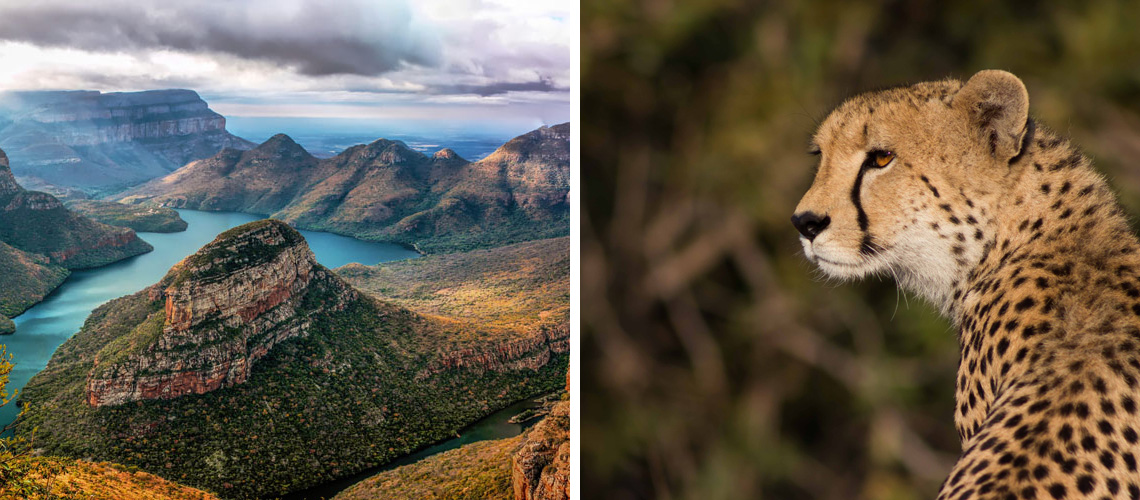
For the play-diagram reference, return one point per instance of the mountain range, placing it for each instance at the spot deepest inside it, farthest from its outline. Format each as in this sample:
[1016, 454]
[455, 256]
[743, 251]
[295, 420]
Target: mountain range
[386, 191]
[103, 142]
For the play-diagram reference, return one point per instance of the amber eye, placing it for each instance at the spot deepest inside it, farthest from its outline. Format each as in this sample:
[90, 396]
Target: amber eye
[882, 158]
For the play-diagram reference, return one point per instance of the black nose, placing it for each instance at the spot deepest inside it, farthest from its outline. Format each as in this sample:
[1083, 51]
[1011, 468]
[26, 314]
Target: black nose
[810, 224]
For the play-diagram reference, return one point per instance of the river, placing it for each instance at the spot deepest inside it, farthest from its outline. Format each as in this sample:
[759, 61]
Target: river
[41, 329]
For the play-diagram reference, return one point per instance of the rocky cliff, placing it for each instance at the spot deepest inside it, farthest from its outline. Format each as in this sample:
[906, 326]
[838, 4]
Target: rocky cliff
[532, 352]
[540, 469]
[98, 141]
[223, 309]
[388, 191]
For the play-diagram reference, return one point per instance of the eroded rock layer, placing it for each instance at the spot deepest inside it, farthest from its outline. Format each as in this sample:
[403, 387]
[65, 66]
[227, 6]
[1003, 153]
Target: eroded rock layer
[217, 313]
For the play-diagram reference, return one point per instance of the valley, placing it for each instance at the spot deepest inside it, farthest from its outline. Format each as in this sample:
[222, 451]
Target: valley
[328, 380]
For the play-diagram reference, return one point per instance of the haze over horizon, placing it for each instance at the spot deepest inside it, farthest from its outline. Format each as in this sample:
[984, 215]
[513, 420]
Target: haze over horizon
[502, 61]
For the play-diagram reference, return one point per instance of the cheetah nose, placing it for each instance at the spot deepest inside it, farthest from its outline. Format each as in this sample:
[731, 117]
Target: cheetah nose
[810, 224]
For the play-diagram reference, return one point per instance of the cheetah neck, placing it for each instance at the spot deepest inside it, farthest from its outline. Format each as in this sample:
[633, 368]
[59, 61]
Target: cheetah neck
[1061, 262]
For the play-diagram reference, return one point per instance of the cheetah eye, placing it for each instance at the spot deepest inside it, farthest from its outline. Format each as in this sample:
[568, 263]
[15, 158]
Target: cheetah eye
[879, 158]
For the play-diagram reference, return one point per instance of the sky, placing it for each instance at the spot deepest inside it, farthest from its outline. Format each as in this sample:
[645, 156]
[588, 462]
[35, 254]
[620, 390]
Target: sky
[376, 59]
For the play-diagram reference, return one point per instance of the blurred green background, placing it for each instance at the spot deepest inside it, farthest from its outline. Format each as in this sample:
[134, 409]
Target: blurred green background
[717, 363]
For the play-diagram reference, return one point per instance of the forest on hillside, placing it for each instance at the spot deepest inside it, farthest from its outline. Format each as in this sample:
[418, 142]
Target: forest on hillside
[717, 362]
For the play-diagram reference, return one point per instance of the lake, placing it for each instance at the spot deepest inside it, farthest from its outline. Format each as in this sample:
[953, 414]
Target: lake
[41, 329]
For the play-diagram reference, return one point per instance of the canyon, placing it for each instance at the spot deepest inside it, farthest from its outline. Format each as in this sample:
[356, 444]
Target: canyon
[250, 370]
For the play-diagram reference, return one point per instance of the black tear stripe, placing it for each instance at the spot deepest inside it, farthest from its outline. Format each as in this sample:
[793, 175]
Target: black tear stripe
[1030, 127]
[862, 216]
[868, 246]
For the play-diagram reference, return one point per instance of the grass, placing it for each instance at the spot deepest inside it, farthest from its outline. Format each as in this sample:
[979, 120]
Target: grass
[477, 471]
[517, 288]
[53, 478]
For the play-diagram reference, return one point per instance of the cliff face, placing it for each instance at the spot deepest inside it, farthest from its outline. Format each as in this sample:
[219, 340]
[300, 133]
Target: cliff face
[532, 353]
[388, 191]
[540, 469]
[94, 141]
[223, 308]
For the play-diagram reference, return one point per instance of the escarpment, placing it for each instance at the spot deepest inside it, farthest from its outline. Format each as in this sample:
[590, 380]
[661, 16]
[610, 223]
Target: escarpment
[94, 141]
[216, 314]
[531, 352]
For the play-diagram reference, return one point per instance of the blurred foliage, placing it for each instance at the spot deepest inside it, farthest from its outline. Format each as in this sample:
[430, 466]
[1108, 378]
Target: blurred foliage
[717, 363]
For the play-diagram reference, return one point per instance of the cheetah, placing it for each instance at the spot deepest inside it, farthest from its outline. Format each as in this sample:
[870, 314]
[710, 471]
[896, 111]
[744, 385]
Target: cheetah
[955, 191]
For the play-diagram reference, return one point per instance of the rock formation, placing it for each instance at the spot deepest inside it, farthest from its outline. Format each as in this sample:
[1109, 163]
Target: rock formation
[223, 308]
[388, 191]
[97, 141]
[541, 467]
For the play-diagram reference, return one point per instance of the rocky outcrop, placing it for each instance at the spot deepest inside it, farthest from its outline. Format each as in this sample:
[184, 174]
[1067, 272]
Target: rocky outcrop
[89, 139]
[530, 353]
[222, 309]
[540, 469]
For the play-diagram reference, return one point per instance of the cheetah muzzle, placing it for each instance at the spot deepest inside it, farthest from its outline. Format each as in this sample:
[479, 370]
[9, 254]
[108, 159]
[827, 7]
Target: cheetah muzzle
[952, 189]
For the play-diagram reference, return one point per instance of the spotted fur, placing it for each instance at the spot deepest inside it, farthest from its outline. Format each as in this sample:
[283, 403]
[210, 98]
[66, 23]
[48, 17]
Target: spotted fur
[1005, 227]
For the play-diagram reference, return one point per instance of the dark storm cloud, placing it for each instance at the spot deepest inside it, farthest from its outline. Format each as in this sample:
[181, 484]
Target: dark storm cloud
[496, 88]
[363, 38]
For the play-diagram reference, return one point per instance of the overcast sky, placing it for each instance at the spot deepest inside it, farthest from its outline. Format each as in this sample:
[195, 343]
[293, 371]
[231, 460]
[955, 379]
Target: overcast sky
[400, 59]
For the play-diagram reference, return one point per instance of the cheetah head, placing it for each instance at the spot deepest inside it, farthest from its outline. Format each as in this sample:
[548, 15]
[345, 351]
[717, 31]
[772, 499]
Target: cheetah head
[908, 179]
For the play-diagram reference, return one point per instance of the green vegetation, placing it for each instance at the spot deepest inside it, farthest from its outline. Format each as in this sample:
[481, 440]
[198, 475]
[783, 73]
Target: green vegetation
[352, 394]
[24, 476]
[477, 471]
[38, 223]
[120, 348]
[7, 326]
[519, 287]
[137, 217]
[26, 279]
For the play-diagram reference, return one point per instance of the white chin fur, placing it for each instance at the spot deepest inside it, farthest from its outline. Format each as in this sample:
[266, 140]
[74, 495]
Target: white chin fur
[838, 267]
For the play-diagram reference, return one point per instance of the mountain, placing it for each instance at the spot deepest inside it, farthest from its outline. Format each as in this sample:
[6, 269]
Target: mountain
[251, 370]
[386, 191]
[40, 240]
[102, 142]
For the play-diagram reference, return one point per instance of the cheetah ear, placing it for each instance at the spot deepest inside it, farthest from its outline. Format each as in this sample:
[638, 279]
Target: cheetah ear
[998, 107]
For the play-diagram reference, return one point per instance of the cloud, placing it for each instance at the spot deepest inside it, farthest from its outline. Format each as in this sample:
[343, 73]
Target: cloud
[310, 36]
